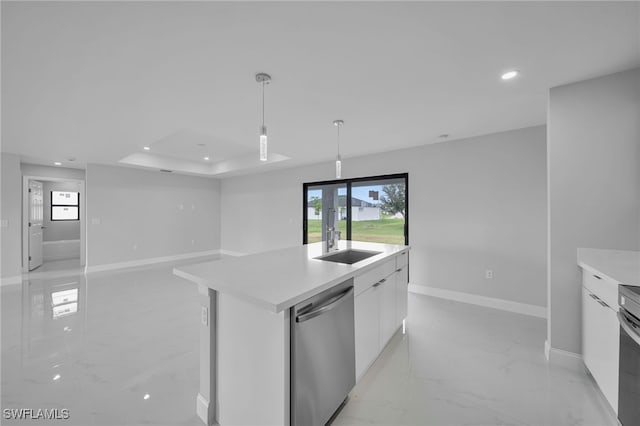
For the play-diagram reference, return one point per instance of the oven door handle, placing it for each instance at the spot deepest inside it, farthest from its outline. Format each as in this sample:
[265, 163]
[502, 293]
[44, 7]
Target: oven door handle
[625, 326]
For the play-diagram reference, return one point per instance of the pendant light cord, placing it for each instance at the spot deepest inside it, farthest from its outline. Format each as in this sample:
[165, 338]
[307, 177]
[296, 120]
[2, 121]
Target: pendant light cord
[338, 126]
[263, 104]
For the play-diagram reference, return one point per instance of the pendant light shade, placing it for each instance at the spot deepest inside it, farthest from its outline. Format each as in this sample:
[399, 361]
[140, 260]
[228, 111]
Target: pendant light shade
[263, 79]
[263, 143]
[338, 124]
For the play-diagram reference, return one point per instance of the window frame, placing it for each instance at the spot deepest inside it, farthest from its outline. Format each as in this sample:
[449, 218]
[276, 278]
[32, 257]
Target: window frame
[77, 206]
[349, 183]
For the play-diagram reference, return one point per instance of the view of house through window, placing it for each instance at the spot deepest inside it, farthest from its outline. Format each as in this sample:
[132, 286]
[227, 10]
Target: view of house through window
[363, 209]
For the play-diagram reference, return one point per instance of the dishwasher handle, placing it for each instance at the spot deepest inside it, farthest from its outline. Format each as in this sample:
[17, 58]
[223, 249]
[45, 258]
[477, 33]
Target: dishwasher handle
[325, 307]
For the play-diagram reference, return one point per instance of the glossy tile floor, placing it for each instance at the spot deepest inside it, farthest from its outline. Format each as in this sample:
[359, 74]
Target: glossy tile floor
[462, 364]
[121, 348]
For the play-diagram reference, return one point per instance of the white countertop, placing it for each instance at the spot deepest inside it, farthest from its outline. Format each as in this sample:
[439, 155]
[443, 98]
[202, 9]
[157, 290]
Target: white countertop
[276, 280]
[621, 266]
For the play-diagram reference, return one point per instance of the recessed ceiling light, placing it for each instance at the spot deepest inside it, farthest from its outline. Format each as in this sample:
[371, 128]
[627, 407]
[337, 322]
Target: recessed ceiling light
[206, 158]
[510, 74]
[56, 377]
[57, 163]
[146, 148]
[146, 396]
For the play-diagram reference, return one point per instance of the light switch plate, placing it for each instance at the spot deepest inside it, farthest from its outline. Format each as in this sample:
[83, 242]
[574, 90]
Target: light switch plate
[4, 223]
[95, 221]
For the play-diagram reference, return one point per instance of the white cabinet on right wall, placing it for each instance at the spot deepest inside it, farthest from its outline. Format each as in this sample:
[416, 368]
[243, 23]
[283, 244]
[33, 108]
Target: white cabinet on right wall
[600, 333]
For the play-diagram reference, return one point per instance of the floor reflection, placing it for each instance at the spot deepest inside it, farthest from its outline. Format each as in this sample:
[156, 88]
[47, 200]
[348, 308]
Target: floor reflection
[122, 348]
[114, 348]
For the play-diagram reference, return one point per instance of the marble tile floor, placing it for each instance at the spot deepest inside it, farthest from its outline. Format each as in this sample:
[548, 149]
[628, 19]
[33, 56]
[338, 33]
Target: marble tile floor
[121, 348]
[462, 364]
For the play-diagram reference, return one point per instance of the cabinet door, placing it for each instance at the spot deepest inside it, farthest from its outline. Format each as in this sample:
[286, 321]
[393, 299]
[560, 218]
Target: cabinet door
[600, 344]
[388, 325]
[402, 294]
[367, 329]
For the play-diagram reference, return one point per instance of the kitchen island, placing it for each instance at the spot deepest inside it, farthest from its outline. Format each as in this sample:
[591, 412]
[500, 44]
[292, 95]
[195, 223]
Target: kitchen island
[246, 321]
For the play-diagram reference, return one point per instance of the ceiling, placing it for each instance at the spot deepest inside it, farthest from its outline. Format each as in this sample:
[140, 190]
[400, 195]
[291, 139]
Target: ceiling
[98, 81]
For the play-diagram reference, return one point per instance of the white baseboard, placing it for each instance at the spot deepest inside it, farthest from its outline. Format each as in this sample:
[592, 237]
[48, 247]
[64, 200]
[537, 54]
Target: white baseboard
[232, 253]
[202, 408]
[17, 279]
[150, 261]
[489, 302]
[562, 358]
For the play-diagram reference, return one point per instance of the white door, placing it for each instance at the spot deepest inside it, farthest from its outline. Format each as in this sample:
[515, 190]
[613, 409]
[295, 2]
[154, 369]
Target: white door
[36, 211]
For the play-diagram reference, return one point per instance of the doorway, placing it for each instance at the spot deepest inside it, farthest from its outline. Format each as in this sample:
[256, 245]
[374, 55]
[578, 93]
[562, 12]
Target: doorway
[53, 224]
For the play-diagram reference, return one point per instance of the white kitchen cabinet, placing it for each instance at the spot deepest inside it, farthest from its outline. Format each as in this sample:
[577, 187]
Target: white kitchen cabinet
[387, 300]
[600, 337]
[367, 329]
[374, 275]
[380, 307]
[402, 293]
[402, 259]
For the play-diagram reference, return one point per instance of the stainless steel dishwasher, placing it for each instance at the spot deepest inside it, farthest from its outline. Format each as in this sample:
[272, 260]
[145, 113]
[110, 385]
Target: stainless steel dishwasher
[323, 366]
[629, 369]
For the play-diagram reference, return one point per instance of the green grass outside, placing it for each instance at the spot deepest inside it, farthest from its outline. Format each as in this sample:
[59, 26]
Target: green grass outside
[389, 231]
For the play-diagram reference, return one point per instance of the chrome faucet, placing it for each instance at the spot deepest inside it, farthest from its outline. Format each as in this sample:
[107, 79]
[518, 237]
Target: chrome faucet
[332, 238]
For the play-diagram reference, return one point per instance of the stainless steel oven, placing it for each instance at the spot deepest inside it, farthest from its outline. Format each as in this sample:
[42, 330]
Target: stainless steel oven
[629, 373]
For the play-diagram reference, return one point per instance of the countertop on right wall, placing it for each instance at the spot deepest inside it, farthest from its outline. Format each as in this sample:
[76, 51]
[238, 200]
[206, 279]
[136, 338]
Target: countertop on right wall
[621, 266]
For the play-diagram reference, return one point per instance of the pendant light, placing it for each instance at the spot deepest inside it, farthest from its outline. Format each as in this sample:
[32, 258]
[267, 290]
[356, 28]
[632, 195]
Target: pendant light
[338, 123]
[263, 79]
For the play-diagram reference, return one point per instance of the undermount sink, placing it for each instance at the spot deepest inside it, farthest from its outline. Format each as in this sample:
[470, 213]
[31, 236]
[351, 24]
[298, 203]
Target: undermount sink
[349, 256]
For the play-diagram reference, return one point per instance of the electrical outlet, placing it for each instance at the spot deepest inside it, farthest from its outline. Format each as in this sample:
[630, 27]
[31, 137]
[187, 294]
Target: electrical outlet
[135, 247]
[4, 223]
[193, 242]
[488, 274]
[204, 313]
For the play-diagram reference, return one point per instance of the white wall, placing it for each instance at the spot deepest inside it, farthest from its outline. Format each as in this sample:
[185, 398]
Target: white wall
[594, 186]
[59, 230]
[51, 172]
[145, 214]
[11, 213]
[474, 204]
